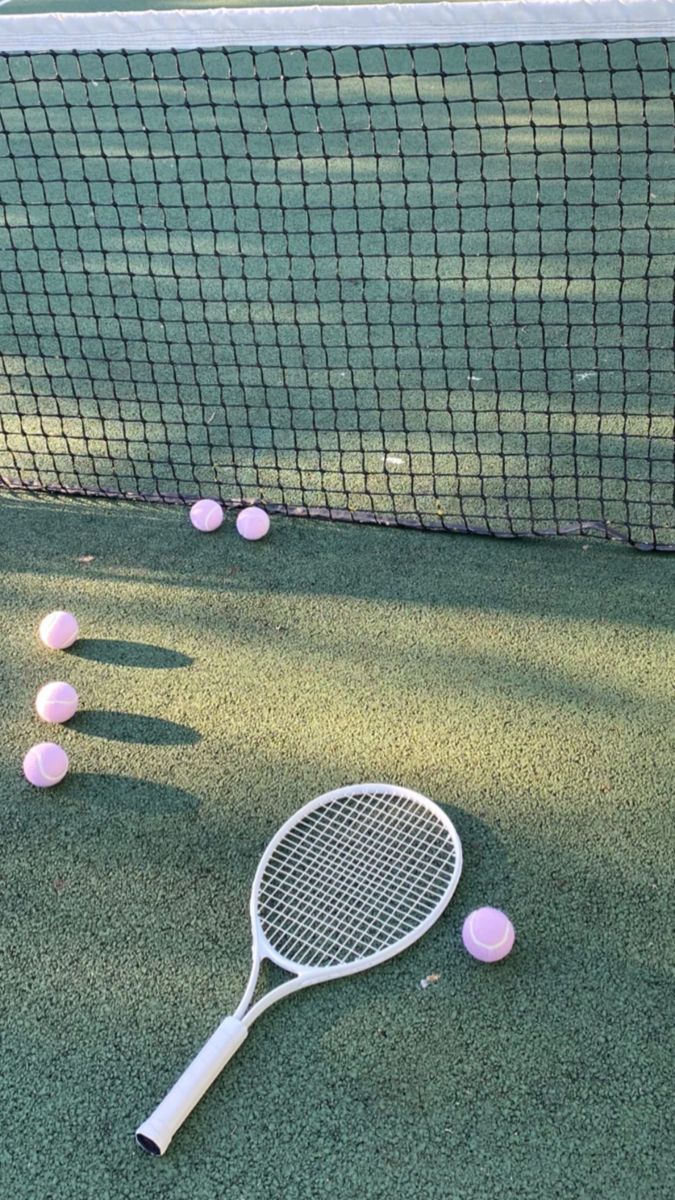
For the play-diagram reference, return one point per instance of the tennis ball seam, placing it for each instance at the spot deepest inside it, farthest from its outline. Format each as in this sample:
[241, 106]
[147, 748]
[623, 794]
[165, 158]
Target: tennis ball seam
[489, 945]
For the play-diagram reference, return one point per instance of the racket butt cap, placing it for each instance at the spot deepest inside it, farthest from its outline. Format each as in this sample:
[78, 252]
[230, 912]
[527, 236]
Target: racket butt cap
[146, 1143]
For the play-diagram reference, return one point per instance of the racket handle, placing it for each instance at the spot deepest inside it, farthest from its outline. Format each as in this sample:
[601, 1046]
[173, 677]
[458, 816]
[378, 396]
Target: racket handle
[155, 1134]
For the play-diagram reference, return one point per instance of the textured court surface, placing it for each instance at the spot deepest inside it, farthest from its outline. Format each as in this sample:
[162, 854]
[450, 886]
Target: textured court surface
[526, 686]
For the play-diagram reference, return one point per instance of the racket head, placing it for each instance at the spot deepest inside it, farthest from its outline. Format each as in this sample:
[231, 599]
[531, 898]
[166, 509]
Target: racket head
[352, 879]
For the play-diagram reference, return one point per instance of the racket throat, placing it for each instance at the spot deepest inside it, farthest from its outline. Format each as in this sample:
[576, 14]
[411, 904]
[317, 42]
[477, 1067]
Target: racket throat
[266, 983]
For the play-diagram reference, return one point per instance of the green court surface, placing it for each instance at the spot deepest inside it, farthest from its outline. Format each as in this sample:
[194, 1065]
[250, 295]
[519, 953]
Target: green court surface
[526, 686]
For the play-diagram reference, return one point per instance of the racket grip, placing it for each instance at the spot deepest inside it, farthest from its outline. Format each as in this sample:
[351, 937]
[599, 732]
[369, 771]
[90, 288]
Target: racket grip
[155, 1134]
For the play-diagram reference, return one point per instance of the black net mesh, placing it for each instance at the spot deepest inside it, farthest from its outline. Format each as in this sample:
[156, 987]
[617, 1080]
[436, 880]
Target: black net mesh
[429, 286]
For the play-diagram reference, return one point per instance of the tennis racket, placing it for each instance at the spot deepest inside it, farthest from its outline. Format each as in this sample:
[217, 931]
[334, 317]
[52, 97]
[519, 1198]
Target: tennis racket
[350, 880]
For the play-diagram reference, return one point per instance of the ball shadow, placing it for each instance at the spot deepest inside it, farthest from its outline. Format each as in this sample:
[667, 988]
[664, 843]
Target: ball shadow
[134, 727]
[123, 793]
[116, 652]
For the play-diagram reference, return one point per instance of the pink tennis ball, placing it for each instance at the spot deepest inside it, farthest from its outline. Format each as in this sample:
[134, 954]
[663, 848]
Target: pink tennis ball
[56, 702]
[58, 630]
[253, 523]
[45, 764]
[206, 515]
[488, 934]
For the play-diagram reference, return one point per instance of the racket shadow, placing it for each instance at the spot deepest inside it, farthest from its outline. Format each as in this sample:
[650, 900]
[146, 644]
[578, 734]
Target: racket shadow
[483, 847]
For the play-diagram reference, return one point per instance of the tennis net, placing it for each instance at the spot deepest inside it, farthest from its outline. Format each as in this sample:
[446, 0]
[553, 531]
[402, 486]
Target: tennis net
[427, 285]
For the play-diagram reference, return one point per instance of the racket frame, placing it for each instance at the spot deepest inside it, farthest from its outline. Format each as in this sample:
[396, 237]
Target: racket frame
[156, 1133]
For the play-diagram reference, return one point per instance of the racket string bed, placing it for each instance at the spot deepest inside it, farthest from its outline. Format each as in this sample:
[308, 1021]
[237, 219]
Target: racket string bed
[343, 883]
[309, 831]
[304, 840]
[389, 920]
[332, 874]
[333, 860]
[362, 912]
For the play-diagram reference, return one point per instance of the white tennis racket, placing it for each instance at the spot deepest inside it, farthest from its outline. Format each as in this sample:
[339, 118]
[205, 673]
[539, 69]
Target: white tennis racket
[350, 880]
